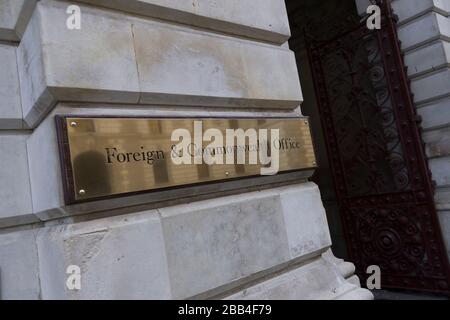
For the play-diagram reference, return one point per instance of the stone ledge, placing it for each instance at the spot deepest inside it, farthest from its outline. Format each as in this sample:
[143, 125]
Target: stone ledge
[258, 19]
[435, 115]
[14, 17]
[429, 58]
[187, 250]
[316, 280]
[116, 58]
[10, 100]
[427, 28]
[408, 10]
[431, 87]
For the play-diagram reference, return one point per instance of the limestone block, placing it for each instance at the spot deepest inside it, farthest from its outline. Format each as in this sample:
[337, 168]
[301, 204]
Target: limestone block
[211, 244]
[302, 206]
[15, 194]
[124, 59]
[96, 63]
[444, 221]
[438, 150]
[431, 86]
[442, 198]
[19, 275]
[260, 19]
[200, 249]
[119, 258]
[407, 10]
[9, 12]
[419, 20]
[437, 142]
[44, 166]
[435, 114]
[426, 28]
[14, 17]
[201, 69]
[318, 280]
[10, 104]
[440, 168]
[428, 58]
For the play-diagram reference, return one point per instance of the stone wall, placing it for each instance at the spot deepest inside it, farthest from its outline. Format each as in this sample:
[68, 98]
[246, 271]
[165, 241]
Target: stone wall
[263, 237]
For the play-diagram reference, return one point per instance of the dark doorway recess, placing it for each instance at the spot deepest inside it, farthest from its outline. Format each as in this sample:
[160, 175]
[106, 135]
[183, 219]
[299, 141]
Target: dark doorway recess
[374, 173]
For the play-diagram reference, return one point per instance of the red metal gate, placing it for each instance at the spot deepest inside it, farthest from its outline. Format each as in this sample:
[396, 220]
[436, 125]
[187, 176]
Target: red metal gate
[377, 157]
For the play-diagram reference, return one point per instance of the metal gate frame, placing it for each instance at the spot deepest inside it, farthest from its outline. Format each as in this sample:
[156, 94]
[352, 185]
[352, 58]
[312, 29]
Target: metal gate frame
[426, 267]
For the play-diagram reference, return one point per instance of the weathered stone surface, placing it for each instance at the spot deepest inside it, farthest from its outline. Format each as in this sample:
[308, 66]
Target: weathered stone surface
[211, 244]
[19, 273]
[123, 59]
[259, 19]
[301, 206]
[201, 69]
[435, 114]
[9, 12]
[346, 269]
[444, 220]
[437, 142]
[431, 86]
[426, 28]
[14, 16]
[15, 194]
[10, 103]
[93, 64]
[31, 71]
[429, 58]
[318, 280]
[119, 258]
[440, 168]
[442, 198]
[201, 249]
[407, 10]
[45, 175]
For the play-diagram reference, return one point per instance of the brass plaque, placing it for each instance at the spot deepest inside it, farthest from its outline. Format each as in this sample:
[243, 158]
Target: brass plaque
[104, 157]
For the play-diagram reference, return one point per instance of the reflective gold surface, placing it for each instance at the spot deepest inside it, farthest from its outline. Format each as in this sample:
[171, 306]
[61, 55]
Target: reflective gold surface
[112, 156]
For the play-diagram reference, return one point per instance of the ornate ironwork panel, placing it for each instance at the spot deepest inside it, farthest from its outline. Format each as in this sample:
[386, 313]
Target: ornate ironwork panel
[377, 157]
